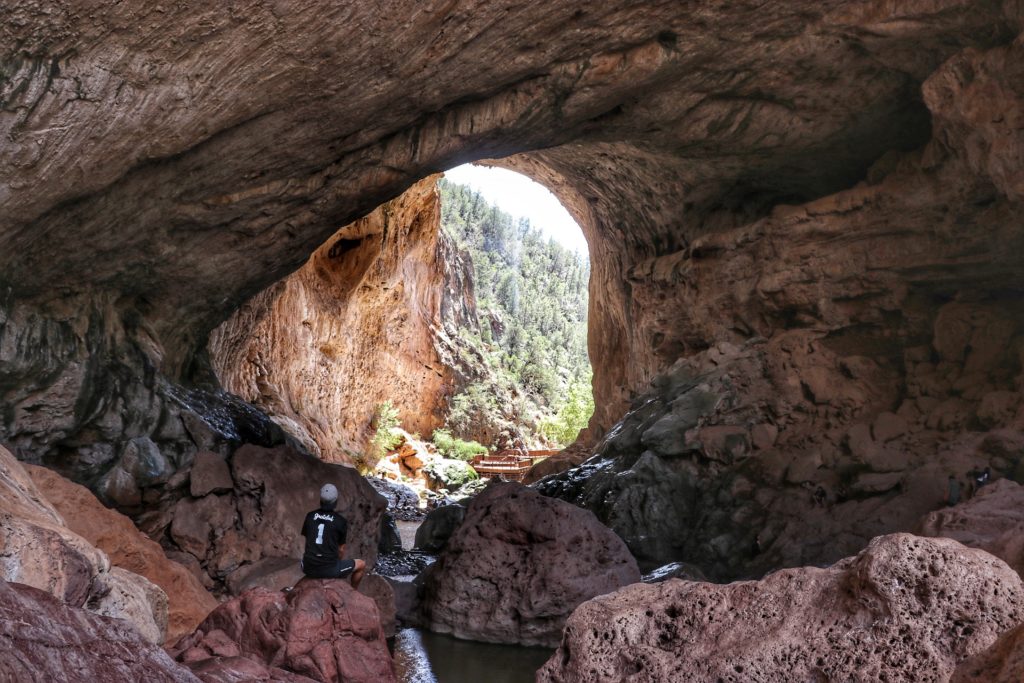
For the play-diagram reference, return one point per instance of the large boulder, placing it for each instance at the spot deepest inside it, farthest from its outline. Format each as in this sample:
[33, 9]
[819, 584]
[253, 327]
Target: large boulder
[905, 609]
[235, 537]
[188, 602]
[42, 639]
[126, 595]
[38, 549]
[518, 565]
[438, 527]
[1001, 663]
[993, 520]
[277, 487]
[321, 629]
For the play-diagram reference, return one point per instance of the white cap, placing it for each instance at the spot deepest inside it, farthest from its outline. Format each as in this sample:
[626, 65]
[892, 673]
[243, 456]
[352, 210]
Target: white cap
[328, 493]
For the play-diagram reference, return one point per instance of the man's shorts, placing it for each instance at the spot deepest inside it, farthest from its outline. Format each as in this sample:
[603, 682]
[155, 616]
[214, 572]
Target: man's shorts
[340, 570]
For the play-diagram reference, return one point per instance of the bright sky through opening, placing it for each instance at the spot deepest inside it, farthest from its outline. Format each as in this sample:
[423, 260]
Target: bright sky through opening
[518, 195]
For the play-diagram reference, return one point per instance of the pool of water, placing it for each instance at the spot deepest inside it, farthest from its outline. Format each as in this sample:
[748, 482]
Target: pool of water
[424, 657]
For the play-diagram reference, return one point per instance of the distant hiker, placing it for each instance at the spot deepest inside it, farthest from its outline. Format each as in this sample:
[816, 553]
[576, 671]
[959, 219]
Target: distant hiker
[981, 478]
[325, 531]
[820, 497]
[952, 491]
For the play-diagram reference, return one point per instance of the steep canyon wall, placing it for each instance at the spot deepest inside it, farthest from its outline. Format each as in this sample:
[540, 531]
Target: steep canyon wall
[372, 317]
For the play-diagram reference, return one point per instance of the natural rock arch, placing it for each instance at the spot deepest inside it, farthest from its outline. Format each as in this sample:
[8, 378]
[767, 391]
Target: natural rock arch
[164, 164]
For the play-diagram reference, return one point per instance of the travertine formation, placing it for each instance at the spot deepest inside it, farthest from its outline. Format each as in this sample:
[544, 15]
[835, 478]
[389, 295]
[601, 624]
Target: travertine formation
[804, 223]
[322, 630]
[904, 609]
[255, 527]
[1001, 663]
[518, 565]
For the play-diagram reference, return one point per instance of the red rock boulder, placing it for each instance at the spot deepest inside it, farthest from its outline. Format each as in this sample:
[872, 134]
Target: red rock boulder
[128, 548]
[905, 609]
[38, 549]
[322, 630]
[993, 520]
[1001, 663]
[42, 639]
[518, 565]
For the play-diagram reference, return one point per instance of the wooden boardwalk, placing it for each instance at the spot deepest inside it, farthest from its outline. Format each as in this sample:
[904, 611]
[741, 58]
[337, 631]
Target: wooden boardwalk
[511, 465]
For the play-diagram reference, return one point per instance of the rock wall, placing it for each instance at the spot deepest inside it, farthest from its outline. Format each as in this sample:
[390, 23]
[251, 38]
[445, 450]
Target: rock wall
[46, 640]
[840, 358]
[372, 316]
[188, 602]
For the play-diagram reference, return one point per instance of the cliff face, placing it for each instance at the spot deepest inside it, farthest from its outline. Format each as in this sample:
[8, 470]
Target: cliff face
[371, 317]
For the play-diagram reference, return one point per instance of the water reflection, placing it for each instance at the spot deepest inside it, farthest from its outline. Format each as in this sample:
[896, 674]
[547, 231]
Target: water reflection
[424, 657]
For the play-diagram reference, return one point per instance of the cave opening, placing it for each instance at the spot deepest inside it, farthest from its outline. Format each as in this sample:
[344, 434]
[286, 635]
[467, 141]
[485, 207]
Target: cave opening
[450, 321]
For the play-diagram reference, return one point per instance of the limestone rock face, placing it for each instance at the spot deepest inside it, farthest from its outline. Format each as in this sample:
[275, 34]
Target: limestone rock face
[372, 316]
[42, 639]
[321, 630]
[904, 609]
[187, 601]
[518, 565]
[659, 125]
[993, 520]
[37, 548]
[818, 203]
[243, 535]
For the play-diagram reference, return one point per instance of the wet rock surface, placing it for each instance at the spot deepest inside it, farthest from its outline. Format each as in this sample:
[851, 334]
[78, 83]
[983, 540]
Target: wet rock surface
[321, 630]
[518, 565]
[42, 639]
[906, 609]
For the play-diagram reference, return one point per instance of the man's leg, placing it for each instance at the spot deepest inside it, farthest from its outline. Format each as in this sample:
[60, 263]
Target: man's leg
[357, 573]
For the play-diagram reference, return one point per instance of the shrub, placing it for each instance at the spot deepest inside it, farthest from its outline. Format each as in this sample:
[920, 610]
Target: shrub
[455, 448]
[384, 438]
[574, 416]
[451, 473]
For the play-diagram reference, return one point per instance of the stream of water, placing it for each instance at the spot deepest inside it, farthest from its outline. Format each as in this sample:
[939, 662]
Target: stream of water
[424, 657]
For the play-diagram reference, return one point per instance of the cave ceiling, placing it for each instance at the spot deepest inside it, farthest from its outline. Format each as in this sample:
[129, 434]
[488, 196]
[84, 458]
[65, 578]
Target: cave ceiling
[184, 156]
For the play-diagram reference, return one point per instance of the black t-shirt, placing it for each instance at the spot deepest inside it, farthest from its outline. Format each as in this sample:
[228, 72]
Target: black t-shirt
[325, 532]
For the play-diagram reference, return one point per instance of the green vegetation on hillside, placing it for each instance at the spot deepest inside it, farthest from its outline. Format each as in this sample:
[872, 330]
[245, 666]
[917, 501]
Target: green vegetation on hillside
[532, 303]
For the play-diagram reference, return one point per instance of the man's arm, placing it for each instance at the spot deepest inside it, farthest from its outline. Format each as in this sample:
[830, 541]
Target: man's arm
[341, 527]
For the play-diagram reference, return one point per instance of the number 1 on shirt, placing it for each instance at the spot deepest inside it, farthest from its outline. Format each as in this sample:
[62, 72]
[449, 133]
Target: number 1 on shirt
[319, 534]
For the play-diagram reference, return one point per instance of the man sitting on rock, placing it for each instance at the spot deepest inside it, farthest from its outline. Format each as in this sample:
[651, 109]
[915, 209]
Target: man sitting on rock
[325, 531]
